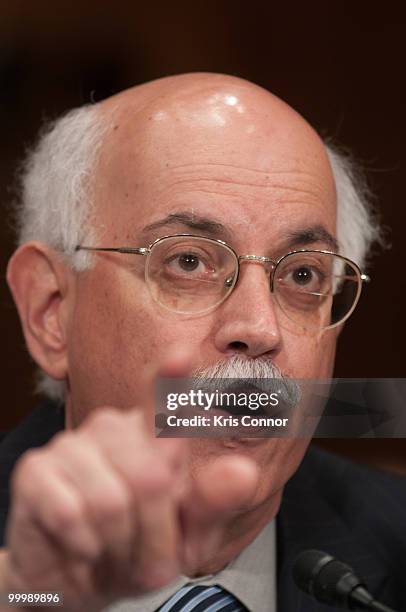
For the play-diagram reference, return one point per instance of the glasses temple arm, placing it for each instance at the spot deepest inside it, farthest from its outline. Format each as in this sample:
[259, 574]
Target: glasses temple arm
[130, 250]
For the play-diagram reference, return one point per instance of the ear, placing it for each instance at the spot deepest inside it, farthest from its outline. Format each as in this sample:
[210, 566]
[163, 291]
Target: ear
[42, 289]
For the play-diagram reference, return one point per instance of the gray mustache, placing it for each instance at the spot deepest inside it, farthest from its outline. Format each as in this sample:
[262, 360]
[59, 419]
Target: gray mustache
[241, 374]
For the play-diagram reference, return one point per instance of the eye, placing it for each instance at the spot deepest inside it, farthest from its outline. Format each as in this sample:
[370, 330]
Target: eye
[303, 277]
[188, 263]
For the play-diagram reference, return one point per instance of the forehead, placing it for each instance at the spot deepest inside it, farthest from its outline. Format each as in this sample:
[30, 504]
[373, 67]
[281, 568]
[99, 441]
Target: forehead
[242, 157]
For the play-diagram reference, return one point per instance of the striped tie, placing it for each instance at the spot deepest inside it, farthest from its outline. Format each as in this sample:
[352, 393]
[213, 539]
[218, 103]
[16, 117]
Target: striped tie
[202, 599]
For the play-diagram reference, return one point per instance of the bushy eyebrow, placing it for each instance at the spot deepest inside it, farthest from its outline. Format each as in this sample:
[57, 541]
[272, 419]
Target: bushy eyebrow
[191, 221]
[311, 235]
[301, 237]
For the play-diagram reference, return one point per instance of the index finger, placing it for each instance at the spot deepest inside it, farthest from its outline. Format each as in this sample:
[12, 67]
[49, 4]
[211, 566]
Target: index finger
[178, 362]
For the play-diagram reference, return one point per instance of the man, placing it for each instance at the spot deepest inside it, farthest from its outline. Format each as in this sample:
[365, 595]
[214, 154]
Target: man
[104, 510]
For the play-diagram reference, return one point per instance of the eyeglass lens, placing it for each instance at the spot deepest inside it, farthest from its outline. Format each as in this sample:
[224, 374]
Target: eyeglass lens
[187, 274]
[190, 275]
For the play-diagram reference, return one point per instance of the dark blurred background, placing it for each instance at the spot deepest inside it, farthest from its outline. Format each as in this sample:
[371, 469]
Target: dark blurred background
[341, 65]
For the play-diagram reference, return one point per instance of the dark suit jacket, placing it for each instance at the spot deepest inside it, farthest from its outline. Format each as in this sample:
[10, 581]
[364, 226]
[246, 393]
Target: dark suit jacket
[352, 512]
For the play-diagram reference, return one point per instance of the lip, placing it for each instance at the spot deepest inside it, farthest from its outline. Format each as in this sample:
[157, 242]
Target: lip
[288, 393]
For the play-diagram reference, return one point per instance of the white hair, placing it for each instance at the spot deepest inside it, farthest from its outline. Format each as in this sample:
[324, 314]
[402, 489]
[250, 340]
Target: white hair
[56, 179]
[358, 225]
[56, 198]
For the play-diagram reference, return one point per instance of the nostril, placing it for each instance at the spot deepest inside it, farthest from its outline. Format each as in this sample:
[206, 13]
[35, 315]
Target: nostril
[238, 345]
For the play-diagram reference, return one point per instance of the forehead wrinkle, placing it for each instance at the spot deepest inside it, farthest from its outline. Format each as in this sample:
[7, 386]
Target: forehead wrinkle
[279, 186]
[298, 181]
[239, 168]
[197, 168]
[244, 198]
[266, 173]
[228, 187]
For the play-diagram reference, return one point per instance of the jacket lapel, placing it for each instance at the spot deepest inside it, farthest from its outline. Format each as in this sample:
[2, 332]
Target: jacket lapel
[316, 512]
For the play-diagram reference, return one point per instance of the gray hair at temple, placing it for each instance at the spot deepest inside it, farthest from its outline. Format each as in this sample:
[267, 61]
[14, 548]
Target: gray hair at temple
[55, 197]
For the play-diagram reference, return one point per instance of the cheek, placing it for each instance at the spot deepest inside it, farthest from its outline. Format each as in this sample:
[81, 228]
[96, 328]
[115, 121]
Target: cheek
[308, 357]
[116, 332]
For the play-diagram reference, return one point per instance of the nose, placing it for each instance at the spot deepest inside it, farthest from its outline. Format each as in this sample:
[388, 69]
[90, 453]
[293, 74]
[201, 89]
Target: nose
[247, 323]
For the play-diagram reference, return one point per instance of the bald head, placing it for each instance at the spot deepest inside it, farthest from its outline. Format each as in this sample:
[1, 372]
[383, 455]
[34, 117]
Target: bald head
[210, 107]
[208, 120]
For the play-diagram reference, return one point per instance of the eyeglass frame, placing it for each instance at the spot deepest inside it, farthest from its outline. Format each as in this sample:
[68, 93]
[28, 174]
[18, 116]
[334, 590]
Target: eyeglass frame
[146, 251]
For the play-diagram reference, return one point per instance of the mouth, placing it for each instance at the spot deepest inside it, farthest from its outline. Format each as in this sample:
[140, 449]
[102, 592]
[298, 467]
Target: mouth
[235, 408]
[240, 397]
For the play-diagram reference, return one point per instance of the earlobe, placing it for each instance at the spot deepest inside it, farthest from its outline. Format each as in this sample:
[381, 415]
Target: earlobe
[38, 281]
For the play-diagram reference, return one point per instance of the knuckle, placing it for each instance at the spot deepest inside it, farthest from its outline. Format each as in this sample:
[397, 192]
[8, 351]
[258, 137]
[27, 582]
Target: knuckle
[112, 505]
[31, 464]
[62, 440]
[65, 517]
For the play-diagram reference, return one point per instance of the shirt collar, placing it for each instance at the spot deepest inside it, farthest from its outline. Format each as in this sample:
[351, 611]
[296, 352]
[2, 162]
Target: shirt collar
[251, 577]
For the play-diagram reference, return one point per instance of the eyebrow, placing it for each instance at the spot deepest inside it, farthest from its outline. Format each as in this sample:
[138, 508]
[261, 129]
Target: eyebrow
[192, 221]
[310, 235]
[301, 237]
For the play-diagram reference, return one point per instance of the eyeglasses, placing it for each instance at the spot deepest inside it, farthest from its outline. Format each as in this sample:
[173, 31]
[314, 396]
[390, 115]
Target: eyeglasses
[192, 275]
